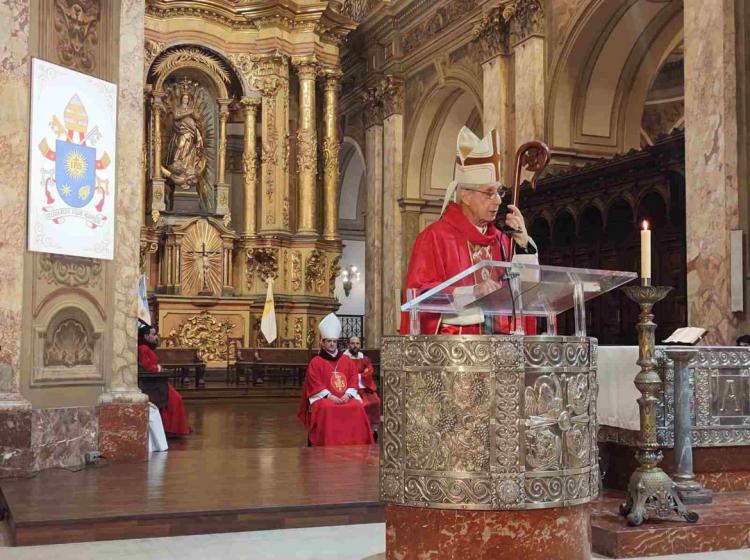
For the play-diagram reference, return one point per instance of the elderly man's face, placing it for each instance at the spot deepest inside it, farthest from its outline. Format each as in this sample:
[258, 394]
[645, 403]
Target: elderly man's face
[329, 345]
[355, 345]
[480, 203]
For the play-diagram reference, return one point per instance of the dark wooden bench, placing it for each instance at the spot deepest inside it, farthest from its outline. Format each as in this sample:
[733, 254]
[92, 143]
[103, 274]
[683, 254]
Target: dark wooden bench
[374, 356]
[281, 365]
[154, 385]
[182, 362]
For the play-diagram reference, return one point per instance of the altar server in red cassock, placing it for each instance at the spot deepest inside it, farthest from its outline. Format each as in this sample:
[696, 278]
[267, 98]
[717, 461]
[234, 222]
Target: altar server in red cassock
[464, 235]
[173, 416]
[331, 408]
[366, 382]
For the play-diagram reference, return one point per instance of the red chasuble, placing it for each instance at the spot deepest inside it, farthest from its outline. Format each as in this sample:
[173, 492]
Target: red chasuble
[329, 423]
[367, 388]
[173, 416]
[449, 246]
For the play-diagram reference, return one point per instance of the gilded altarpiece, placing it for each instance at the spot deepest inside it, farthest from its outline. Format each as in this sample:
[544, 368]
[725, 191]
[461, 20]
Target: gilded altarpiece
[242, 119]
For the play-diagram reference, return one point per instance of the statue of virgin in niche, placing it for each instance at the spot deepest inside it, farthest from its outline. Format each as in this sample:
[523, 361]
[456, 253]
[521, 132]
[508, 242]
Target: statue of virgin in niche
[187, 155]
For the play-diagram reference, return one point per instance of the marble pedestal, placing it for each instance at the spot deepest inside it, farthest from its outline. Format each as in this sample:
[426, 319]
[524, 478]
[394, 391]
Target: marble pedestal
[439, 534]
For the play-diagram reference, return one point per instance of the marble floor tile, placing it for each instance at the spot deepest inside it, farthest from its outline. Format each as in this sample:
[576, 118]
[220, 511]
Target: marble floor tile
[352, 542]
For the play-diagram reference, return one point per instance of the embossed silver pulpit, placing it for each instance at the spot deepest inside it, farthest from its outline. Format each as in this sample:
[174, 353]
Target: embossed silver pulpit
[477, 425]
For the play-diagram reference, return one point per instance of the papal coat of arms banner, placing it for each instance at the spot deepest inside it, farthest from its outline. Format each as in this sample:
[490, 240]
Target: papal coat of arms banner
[72, 163]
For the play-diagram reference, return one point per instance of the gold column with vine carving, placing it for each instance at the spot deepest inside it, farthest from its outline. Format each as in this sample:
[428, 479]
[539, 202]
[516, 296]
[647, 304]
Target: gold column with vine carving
[158, 202]
[222, 191]
[307, 166]
[331, 154]
[250, 164]
[274, 86]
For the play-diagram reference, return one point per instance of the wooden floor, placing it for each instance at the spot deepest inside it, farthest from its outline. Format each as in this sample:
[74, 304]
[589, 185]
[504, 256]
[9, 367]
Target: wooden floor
[243, 468]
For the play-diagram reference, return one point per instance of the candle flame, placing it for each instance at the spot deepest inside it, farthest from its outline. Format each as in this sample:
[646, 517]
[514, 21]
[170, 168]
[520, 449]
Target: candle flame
[645, 224]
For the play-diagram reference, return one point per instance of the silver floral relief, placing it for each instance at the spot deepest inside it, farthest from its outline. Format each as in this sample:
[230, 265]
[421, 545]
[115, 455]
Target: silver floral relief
[498, 422]
[447, 421]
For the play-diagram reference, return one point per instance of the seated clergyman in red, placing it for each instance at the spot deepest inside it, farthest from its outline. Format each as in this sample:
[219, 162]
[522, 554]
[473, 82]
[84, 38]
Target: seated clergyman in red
[366, 383]
[331, 408]
[173, 416]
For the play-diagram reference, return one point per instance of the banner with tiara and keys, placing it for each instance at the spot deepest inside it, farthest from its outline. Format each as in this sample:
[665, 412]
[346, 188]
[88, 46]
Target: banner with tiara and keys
[72, 163]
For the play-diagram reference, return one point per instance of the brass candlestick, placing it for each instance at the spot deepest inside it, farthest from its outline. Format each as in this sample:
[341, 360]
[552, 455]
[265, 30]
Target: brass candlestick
[650, 488]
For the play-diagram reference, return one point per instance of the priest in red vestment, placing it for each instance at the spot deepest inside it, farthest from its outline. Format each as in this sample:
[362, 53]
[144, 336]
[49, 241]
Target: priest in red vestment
[366, 387]
[464, 235]
[331, 408]
[173, 416]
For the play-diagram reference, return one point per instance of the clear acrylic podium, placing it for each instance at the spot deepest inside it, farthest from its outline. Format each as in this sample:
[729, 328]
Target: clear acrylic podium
[521, 290]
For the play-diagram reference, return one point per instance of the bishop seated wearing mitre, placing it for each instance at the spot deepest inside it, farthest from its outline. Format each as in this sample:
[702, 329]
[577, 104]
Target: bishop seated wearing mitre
[331, 408]
[466, 234]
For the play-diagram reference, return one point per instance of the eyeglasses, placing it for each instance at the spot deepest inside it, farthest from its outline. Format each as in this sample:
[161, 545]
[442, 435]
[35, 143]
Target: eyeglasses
[494, 193]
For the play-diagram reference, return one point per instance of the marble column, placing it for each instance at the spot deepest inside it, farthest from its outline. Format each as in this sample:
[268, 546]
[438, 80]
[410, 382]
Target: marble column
[393, 156]
[332, 83]
[14, 101]
[496, 104]
[711, 164]
[274, 206]
[123, 380]
[490, 35]
[373, 219]
[250, 165]
[528, 90]
[123, 414]
[15, 410]
[307, 147]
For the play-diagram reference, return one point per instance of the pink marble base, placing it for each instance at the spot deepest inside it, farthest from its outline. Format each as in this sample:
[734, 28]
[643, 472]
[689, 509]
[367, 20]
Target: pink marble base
[443, 534]
[61, 437]
[16, 457]
[123, 432]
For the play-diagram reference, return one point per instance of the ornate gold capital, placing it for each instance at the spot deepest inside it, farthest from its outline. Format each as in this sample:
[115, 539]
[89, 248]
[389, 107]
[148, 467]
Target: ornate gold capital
[307, 67]
[250, 105]
[491, 35]
[332, 78]
[525, 17]
[372, 101]
[393, 96]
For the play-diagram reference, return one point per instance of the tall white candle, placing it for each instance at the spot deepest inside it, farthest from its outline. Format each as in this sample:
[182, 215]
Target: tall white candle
[645, 251]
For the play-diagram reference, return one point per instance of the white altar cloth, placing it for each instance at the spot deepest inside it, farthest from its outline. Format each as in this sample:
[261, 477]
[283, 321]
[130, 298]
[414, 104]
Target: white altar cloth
[616, 405]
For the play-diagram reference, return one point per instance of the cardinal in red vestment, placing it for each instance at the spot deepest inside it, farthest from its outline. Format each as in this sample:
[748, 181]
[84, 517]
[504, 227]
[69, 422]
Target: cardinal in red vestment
[366, 387]
[331, 408]
[465, 235]
[173, 416]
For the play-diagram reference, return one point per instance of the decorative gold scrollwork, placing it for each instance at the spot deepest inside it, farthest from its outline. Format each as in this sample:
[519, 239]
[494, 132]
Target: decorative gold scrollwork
[208, 335]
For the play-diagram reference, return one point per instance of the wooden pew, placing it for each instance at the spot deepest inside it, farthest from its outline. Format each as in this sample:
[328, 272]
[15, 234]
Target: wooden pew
[154, 385]
[182, 362]
[261, 365]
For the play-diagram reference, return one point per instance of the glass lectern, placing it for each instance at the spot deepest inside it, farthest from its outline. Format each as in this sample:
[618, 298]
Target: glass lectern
[516, 290]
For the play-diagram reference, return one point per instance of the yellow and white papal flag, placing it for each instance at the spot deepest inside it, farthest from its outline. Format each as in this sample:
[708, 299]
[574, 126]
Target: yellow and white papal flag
[268, 320]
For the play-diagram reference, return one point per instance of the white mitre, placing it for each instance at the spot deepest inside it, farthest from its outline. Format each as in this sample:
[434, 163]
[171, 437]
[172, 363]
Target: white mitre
[478, 162]
[330, 327]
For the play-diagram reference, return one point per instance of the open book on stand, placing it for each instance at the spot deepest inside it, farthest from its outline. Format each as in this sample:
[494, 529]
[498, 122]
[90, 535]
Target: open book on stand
[686, 335]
